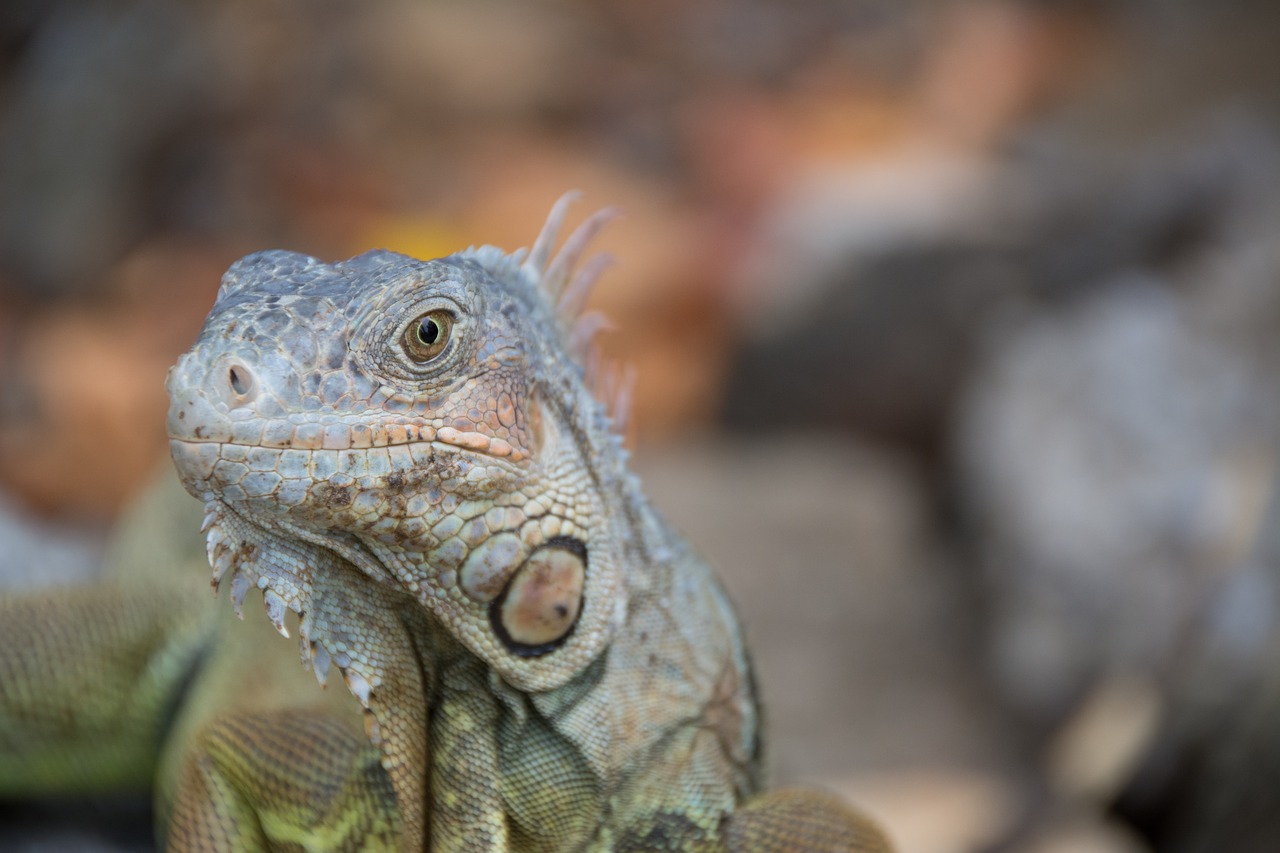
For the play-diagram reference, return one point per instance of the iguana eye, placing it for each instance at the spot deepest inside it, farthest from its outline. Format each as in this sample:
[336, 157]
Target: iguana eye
[540, 605]
[427, 336]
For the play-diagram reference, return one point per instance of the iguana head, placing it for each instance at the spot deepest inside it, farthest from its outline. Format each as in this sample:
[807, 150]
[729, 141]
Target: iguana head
[423, 421]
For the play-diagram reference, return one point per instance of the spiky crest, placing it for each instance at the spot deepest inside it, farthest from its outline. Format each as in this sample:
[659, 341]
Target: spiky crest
[564, 282]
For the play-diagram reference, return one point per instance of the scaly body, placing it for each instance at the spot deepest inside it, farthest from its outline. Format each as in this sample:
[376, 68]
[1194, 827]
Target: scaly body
[406, 455]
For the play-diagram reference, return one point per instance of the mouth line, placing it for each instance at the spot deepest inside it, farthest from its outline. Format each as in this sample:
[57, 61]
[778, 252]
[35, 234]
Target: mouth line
[472, 443]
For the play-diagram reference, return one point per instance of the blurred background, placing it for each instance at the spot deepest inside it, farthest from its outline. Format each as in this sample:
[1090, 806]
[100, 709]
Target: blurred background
[956, 328]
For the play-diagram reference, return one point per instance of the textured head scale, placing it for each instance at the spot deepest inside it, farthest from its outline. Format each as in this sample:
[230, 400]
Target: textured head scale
[427, 422]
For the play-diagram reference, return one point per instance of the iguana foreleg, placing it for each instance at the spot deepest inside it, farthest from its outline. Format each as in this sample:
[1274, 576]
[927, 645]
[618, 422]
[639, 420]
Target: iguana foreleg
[801, 820]
[294, 780]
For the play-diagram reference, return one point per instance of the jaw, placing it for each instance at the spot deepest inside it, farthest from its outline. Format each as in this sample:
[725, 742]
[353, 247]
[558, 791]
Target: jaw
[449, 525]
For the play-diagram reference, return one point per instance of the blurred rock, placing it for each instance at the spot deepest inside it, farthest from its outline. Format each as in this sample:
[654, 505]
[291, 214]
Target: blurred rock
[935, 809]
[1115, 499]
[1085, 835]
[1209, 784]
[896, 273]
[1136, 464]
[868, 287]
[1094, 755]
[1113, 460]
[1117, 460]
[1208, 781]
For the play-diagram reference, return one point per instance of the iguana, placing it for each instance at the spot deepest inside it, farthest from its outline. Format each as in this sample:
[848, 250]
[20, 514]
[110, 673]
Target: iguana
[407, 459]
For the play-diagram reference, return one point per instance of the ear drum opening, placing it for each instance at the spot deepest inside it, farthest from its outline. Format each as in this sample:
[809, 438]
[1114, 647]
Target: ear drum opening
[540, 606]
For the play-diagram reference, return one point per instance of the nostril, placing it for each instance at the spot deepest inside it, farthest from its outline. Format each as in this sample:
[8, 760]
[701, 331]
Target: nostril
[241, 383]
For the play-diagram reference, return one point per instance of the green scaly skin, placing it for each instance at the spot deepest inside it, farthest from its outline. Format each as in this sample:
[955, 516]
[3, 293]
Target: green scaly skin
[407, 457]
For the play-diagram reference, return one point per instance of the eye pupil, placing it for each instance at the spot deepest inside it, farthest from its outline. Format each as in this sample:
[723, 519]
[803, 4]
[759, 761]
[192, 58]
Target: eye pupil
[426, 337]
